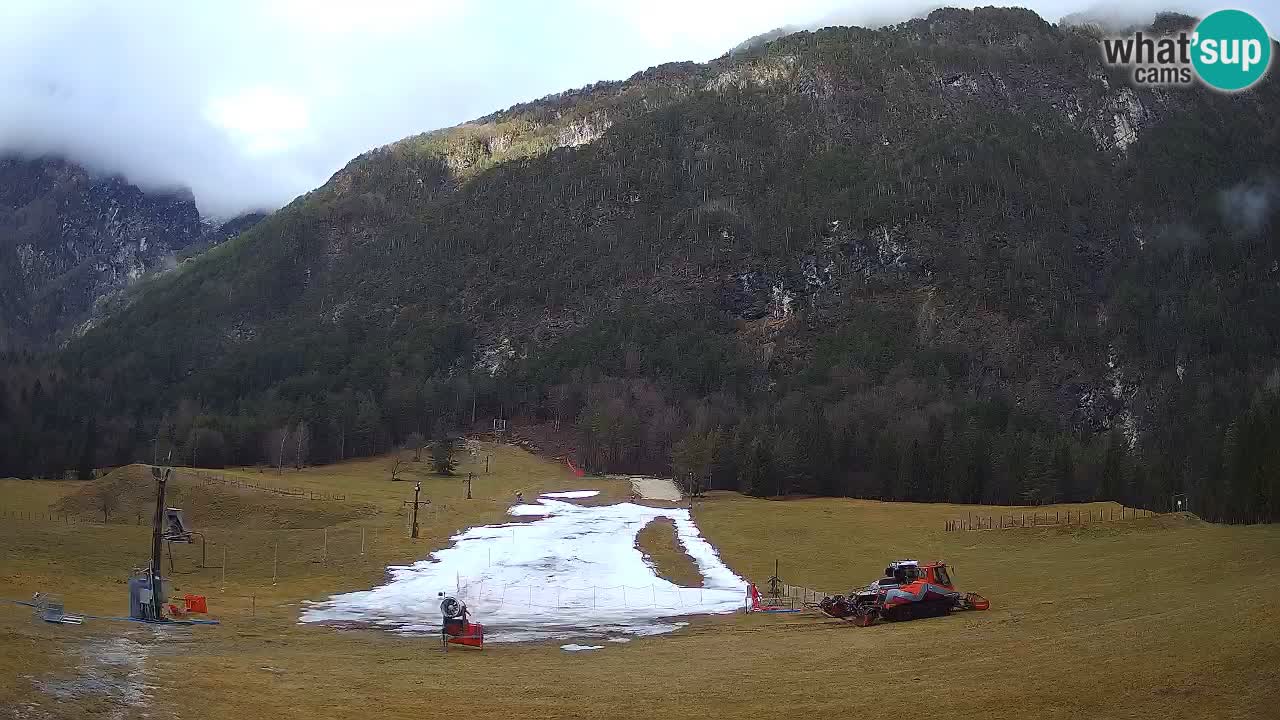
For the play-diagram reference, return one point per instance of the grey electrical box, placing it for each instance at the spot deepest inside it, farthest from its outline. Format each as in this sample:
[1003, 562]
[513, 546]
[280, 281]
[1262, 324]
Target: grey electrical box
[140, 597]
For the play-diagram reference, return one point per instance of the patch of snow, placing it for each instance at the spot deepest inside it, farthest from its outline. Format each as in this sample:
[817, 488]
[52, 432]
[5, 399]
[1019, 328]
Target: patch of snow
[574, 647]
[575, 573]
[619, 640]
[528, 510]
[571, 494]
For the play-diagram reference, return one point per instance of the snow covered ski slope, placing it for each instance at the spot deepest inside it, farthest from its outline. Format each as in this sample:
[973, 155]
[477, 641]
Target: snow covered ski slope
[575, 572]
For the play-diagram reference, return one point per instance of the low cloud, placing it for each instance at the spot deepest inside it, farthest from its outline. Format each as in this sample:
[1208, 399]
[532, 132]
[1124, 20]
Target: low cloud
[250, 103]
[1248, 206]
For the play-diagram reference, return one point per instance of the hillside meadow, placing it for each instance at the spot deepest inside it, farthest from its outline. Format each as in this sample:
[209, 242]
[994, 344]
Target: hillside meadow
[1160, 617]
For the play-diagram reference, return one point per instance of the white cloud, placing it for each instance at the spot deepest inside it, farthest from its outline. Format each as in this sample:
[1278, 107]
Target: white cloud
[252, 102]
[261, 120]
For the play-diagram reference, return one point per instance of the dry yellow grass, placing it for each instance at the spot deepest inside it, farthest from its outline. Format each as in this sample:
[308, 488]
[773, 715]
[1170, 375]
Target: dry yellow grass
[34, 495]
[1155, 618]
[662, 549]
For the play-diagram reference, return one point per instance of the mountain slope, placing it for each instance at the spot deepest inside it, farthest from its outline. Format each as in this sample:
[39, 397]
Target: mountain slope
[953, 259]
[70, 240]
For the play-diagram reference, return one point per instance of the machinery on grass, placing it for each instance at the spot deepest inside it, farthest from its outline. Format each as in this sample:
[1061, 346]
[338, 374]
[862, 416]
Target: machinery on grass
[455, 628]
[909, 590]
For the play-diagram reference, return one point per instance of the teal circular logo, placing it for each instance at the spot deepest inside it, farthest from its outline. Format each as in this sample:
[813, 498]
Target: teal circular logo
[1231, 50]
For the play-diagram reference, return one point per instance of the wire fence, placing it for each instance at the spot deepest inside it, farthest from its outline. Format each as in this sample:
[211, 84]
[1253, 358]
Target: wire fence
[43, 516]
[792, 596]
[1057, 518]
[232, 481]
[491, 595]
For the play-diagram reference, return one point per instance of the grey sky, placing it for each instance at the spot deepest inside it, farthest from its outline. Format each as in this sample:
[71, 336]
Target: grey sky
[252, 102]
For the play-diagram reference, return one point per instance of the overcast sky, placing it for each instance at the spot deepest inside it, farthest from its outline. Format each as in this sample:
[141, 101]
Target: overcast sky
[253, 102]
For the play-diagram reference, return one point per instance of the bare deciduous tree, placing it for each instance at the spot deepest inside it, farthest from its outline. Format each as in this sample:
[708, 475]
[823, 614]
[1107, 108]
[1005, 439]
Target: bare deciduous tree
[106, 500]
[302, 445]
[415, 442]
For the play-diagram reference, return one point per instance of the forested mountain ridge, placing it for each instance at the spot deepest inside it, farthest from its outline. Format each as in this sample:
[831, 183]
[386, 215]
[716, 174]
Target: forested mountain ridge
[952, 259]
[71, 240]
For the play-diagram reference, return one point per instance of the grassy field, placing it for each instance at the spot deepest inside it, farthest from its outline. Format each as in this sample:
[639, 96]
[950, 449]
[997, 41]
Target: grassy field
[663, 549]
[1161, 617]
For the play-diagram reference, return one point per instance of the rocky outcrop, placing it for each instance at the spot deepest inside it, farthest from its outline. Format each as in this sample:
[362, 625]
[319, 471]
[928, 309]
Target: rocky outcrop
[69, 239]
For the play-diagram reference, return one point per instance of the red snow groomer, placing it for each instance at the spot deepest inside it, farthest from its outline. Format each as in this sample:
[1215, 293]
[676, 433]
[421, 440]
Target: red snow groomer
[908, 591]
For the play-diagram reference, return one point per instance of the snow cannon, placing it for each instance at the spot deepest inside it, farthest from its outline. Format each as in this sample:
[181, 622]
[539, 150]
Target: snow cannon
[456, 629]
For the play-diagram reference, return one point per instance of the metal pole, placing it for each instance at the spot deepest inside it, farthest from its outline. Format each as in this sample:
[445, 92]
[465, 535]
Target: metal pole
[417, 487]
[324, 551]
[157, 589]
[224, 568]
[275, 563]
[361, 541]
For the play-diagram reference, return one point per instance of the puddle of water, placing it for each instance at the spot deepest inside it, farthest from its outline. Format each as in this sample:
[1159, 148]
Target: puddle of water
[112, 669]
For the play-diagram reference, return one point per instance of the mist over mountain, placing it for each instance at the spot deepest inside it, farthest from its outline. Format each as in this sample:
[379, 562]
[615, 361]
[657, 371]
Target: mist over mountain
[250, 104]
[71, 241]
[951, 259]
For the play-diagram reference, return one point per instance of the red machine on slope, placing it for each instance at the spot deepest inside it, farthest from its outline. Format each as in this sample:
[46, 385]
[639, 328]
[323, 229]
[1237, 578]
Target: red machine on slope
[908, 591]
[457, 628]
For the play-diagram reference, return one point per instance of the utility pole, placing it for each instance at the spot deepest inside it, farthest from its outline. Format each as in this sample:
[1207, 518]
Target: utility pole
[157, 523]
[417, 488]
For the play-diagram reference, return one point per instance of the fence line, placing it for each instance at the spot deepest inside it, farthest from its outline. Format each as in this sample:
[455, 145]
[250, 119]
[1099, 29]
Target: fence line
[793, 596]
[45, 516]
[615, 597]
[1059, 518]
[210, 478]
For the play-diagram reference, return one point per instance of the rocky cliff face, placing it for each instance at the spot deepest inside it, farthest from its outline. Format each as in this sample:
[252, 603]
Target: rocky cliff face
[70, 239]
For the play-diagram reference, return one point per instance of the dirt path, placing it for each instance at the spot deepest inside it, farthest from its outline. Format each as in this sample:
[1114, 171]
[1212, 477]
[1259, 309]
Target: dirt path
[651, 488]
